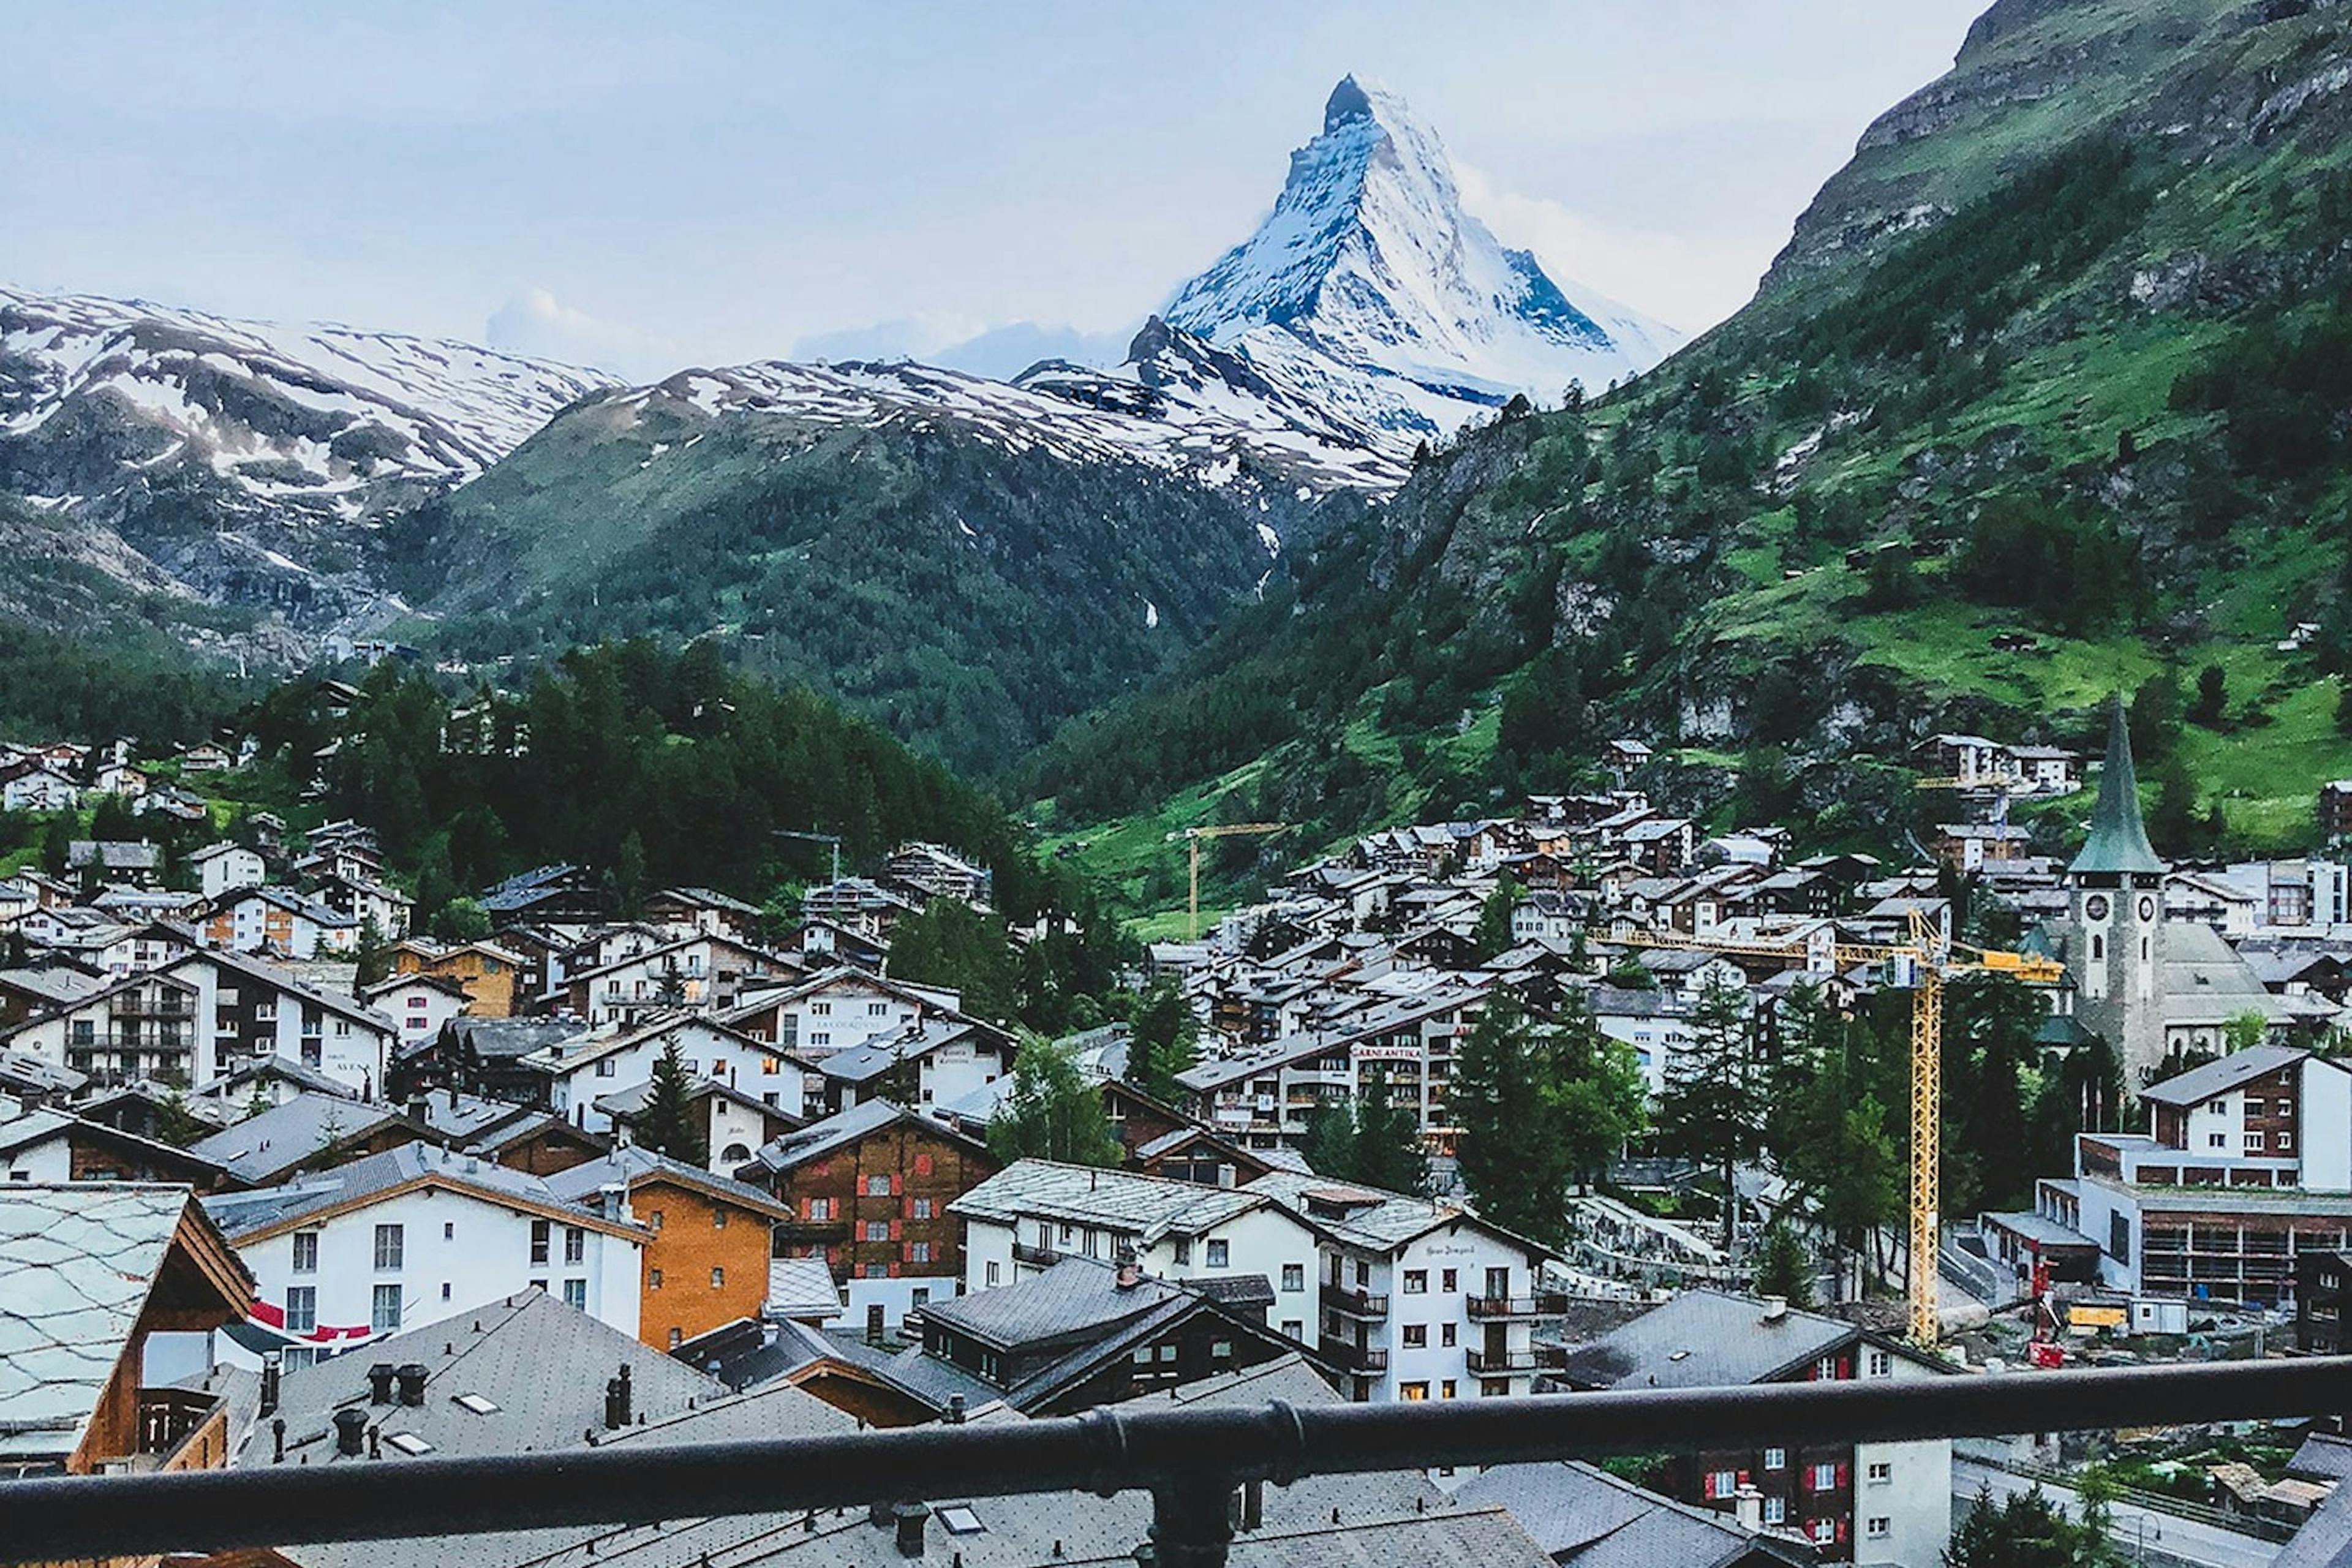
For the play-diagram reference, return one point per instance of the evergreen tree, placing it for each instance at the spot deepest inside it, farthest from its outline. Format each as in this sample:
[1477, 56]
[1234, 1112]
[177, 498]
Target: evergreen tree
[953, 945]
[1539, 1108]
[1492, 937]
[1783, 1268]
[1387, 1149]
[1161, 1041]
[373, 956]
[1328, 1146]
[2213, 697]
[669, 1124]
[1051, 1112]
[1710, 1111]
[2027, 1530]
[462, 920]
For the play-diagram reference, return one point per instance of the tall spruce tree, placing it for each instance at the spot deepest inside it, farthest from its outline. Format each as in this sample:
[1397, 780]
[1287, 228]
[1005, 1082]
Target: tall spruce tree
[1386, 1147]
[669, 1125]
[1539, 1108]
[1710, 1111]
[1161, 1040]
[1783, 1268]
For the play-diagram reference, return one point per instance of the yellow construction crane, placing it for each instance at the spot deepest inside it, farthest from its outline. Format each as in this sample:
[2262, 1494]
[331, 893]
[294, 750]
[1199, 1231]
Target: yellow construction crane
[1193, 836]
[1920, 964]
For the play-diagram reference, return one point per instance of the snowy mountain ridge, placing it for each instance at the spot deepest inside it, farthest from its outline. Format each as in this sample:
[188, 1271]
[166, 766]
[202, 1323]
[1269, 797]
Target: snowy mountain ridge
[324, 417]
[1367, 289]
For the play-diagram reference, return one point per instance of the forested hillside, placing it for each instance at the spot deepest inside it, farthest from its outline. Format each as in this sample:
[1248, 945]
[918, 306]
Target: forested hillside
[2046, 400]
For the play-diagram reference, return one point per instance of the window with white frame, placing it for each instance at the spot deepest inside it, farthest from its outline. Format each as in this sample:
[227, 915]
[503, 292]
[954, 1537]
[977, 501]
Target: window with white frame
[301, 1308]
[1823, 1477]
[1219, 1253]
[1880, 1471]
[384, 1314]
[389, 1247]
[1776, 1510]
[1776, 1459]
[575, 1243]
[306, 1252]
[1882, 1363]
[575, 1295]
[1879, 1527]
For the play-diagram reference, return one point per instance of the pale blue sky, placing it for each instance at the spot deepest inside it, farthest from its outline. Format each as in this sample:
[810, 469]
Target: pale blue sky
[647, 186]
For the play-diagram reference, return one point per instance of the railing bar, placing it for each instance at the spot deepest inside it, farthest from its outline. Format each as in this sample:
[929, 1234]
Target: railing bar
[1154, 1447]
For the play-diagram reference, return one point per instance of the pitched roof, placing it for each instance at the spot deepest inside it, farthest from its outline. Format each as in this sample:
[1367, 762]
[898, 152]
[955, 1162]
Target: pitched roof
[76, 1264]
[1073, 1296]
[2119, 842]
[1586, 1518]
[631, 1165]
[538, 1365]
[819, 1139]
[1367, 1217]
[247, 1216]
[265, 1146]
[2203, 1083]
[1705, 1338]
[1119, 1201]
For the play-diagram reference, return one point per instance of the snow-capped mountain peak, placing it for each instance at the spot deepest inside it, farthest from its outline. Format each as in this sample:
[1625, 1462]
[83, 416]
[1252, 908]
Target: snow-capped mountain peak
[1368, 287]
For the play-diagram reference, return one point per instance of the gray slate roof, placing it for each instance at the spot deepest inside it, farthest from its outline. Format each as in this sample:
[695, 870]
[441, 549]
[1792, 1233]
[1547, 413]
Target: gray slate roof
[1388, 1222]
[262, 1148]
[1146, 1207]
[1704, 1338]
[241, 1213]
[76, 1265]
[1587, 1518]
[1074, 1295]
[543, 1364]
[2200, 1084]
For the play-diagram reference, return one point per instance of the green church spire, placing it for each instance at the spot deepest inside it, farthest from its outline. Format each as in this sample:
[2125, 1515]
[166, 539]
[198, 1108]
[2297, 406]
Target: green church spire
[2119, 842]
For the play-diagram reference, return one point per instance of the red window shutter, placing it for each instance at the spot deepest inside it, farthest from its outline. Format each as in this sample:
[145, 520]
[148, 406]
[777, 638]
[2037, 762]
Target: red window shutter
[1743, 1478]
[898, 1184]
[1709, 1487]
[894, 1229]
[923, 1165]
[1843, 1525]
[1845, 1367]
[1846, 1476]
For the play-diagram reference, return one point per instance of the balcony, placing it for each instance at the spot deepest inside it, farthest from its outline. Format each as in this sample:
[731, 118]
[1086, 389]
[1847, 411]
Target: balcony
[1495, 1363]
[1037, 1256]
[812, 1230]
[1355, 1303]
[180, 1429]
[1365, 1361]
[1542, 1304]
[1191, 1458]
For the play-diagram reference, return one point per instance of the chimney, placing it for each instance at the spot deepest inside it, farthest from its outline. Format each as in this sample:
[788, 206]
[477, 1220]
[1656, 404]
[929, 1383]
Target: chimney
[1775, 1308]
[277, 1440]
[412, 1383]
[379, 1384]
[269, 1375]
[879, 1514]
[911, 1517]
[874, 1322]
[613, 1202]
[1253, 1505]
[350, 1425]
[1129, 1274]
[616, 1401]
[955, 1409]
[1749, 1508]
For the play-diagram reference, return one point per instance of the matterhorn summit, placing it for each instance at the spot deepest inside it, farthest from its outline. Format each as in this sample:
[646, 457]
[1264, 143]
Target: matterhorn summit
[1370, 290]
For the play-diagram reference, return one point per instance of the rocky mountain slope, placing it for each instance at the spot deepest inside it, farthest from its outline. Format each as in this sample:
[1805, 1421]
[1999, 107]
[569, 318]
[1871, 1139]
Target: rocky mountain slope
[968, 561]
[1368, 291]
[242, 463]
[2047, 398]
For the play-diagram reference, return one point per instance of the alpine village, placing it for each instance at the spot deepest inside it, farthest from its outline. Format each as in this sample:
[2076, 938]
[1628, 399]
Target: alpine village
[553, 921]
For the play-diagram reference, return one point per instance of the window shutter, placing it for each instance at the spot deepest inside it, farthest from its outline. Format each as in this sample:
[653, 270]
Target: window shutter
[1711, 1486]
[1845, 1476]
[898, 1184]
[894, 1229]
[923, 1165]
[1743, 1478]
[1843, 1526]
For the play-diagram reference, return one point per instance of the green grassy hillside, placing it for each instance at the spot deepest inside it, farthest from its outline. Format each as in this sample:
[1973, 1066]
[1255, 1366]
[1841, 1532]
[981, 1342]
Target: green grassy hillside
[2047, 400]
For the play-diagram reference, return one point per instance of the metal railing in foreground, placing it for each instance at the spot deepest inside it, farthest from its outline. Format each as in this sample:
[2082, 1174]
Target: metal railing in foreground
[1189, 1459]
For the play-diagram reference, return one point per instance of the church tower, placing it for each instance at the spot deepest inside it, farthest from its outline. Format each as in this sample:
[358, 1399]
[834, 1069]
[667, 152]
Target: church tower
[2115, 939]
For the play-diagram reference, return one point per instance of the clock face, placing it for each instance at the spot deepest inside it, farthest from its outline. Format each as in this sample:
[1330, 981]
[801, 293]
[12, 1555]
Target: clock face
[2147, 908]
[2095, 905]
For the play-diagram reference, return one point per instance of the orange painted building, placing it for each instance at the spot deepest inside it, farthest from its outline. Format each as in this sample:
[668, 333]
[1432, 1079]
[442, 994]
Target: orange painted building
[706, 1263]
[488, 973]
